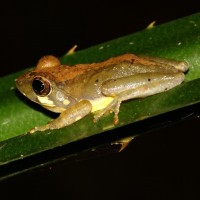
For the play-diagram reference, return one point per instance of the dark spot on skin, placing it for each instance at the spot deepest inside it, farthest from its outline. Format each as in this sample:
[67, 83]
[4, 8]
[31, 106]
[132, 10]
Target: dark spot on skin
[166, 89]
[132, 60]
[149, 79]
[97, 80]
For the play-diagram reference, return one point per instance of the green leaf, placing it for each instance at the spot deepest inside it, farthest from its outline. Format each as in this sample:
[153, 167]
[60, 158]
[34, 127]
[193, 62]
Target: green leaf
[178, 40]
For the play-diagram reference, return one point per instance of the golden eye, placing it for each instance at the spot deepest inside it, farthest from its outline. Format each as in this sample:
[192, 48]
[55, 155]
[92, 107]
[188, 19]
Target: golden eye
[41, 86]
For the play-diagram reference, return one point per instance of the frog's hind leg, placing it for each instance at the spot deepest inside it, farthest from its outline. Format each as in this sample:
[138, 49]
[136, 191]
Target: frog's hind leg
[181, 66]
[145, 81]
[142, 85]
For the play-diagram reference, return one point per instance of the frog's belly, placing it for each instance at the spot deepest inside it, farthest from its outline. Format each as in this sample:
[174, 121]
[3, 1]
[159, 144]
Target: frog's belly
[101, 103]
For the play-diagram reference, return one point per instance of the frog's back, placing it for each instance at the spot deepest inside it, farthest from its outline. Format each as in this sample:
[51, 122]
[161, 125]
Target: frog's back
[65, 72]
[124, 64]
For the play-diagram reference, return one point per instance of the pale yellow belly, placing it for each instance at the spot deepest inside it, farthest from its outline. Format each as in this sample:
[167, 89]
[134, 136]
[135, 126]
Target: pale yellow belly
[101, 103]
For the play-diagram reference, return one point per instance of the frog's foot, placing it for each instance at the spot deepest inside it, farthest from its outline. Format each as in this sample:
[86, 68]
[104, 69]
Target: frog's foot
[112, 107]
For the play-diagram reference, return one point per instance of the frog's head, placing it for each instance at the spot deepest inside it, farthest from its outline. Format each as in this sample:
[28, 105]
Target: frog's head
[40, 85]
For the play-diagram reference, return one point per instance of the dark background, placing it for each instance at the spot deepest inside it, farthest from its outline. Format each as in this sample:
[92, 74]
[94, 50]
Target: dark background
[159, 165]
[31, 29]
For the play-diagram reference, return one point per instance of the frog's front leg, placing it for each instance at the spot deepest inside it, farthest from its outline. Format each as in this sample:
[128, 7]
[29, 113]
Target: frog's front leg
[69, 116]
[136, 86]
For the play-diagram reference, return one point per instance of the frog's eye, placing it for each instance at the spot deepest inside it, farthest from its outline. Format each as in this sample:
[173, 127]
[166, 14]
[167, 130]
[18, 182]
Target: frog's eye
[41, 86]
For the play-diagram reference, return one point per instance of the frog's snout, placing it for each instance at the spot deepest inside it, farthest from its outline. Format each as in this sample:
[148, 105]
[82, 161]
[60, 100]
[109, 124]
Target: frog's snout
[18, 83]
[19, 86]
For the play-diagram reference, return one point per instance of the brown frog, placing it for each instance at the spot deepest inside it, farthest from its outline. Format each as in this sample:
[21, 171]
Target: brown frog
[75, 91]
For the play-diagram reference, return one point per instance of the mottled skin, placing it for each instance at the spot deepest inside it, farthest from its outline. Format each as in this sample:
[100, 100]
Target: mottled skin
[75, 91]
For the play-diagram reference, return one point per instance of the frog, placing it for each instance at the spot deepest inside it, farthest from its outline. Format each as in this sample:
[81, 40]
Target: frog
[77, 90]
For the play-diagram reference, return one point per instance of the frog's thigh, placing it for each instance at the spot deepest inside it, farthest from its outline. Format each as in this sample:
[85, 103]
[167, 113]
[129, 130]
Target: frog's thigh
[69, 116]
[141, 85]
[180, 65]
